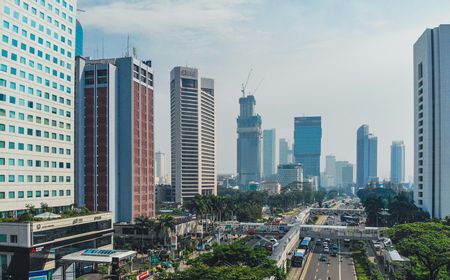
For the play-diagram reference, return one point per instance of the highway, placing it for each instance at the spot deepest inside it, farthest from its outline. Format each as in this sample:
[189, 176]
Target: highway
[340, 267]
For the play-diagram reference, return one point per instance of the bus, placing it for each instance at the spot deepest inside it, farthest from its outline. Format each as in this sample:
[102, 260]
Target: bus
[305, 244]
[298, 258]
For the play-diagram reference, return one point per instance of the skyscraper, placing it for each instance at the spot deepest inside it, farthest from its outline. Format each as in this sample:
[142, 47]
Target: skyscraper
[366, 156]
[431, 121]
[36, 106]
[269, 152]
[330, 170]
[307, 144]
[340, 180]
[193, 133]
[79, 39]
[397, 162]
[114, 136]
[160, 168]
[248, 142]
[283, 157]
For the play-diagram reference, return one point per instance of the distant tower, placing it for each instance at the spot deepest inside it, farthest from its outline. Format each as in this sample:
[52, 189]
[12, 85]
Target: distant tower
[269, 148]
[284, 151]
[308, 144]
[193, 132]
[160, 168]
[248, 142]
[366, 156]
[397, 162]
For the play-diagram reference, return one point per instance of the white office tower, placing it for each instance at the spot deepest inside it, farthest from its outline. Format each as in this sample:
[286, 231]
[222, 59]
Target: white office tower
[160, 168]
[330, 170]
[432, 121]
[36, 104]
[193, 139]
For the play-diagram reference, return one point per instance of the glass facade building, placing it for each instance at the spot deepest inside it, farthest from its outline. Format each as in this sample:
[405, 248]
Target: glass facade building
[79, 39]
[308, 144]
[366, 156]
[248, 142]
[397, 162]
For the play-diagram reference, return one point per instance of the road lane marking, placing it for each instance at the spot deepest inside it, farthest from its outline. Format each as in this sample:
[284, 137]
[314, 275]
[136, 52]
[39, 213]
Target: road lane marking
[339, 258]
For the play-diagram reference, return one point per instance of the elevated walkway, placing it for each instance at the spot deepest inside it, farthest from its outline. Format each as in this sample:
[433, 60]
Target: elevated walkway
[340, 232]
[337, 211]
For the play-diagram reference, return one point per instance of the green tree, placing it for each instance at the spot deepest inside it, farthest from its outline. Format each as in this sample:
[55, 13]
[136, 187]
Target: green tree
[426, 243]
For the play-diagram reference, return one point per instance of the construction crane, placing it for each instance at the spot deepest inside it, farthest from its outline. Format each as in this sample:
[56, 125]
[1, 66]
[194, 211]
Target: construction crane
[257, 87]
[80, 10]
[244, 86]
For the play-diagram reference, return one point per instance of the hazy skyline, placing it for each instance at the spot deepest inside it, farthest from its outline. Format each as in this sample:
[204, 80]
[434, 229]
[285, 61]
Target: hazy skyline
[348, 61]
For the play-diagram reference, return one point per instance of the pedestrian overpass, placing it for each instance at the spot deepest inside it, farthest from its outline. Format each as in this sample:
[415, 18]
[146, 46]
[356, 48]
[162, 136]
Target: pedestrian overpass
[340, 232]
[337, 211]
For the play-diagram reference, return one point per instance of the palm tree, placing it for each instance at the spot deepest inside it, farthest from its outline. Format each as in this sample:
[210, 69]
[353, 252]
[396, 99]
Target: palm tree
[167, 226]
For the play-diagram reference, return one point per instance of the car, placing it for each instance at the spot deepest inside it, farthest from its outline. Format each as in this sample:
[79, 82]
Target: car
[326, 250]
[335, 246]
[328, 240]
[319, 242]
[323, 258]
[334, 252]
[325, 244]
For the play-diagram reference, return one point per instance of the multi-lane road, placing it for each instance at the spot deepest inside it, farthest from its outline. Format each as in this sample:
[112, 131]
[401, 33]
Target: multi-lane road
[339, 267]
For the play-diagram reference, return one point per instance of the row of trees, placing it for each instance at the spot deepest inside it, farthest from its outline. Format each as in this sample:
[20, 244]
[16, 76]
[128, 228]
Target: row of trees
[388, 207]
[158, 229]
[427, 245]
[226, 262]
[247, 206]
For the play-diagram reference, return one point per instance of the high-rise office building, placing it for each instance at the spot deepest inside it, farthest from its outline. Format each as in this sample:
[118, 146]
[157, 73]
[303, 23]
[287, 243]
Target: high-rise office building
[290, 173]
[161, 176]
[397, 162]
[340, 165]
[307, 144]
[269, 152]
[114, 136]
[36, 105]
[330, 170]
[284, 151]
[248, 142]
[193, 135]
[79, 39]
[431, 121]
[366, 156]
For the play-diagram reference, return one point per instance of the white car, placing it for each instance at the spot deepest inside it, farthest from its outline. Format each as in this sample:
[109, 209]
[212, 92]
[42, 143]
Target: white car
[326, 250]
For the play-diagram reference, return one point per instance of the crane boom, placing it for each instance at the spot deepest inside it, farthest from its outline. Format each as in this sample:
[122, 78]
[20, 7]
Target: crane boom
[244, 86]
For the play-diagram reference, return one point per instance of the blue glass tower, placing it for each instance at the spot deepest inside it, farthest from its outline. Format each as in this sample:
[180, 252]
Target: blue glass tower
[366, 156]
[248, 142]
[79, 38]
[308, 144]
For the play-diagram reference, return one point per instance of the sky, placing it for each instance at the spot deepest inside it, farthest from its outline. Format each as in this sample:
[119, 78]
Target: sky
[347, 61]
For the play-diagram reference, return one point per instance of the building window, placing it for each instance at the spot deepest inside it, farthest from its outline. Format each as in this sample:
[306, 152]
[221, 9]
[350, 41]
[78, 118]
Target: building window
[3, 238]
[420, 70]
[13, 238]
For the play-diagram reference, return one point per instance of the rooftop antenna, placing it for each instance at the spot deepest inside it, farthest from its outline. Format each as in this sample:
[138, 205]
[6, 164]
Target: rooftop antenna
[103, 47]
[127, 53]
[244, 86]
[134, 52]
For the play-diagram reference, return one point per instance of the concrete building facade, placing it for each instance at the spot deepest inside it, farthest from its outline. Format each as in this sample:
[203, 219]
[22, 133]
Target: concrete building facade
[114, 125]
[193, 134]
[290, 173]
[431, 121]
[36, 105]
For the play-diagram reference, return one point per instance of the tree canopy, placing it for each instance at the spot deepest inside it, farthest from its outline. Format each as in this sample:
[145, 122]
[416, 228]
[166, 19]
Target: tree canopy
[229, 262]
[427, 245]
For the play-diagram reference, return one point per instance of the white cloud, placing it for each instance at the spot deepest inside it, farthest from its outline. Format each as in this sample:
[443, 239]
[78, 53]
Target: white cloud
[166, 20]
